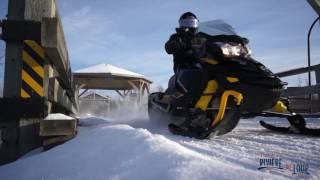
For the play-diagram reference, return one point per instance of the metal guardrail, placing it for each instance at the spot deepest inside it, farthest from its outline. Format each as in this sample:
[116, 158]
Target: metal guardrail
[297, 71]
[313, 102]
[298, 91]
[315, 4]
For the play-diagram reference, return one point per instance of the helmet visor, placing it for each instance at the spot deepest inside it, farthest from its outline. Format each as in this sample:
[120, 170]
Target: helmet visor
[189, 23]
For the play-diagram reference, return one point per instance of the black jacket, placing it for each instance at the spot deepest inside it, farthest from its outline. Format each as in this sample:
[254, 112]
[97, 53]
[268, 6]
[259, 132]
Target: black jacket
[186, 50]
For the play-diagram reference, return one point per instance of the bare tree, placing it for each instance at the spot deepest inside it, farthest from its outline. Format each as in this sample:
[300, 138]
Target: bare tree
[299, 81]
[160, 88]
[1, 59]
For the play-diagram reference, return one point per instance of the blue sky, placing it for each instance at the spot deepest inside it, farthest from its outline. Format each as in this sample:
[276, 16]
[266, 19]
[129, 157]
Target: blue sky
[131, 34]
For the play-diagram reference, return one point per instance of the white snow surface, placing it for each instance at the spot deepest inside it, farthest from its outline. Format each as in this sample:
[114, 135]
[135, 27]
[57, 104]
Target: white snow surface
[58, 116]
[138, 148]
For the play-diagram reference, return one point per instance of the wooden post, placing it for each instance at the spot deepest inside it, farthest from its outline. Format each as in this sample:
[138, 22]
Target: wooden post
[13, 57]
[9, 149]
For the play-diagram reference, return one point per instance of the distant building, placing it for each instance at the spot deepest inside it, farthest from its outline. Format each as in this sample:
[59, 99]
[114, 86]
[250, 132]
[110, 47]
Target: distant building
[109, 77]
[94, 104]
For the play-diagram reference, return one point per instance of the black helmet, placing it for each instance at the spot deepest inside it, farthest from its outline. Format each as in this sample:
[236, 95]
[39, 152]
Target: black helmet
[188, 20]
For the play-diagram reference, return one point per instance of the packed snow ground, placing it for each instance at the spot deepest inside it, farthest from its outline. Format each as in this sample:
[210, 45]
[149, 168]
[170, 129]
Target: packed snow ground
[138, 148]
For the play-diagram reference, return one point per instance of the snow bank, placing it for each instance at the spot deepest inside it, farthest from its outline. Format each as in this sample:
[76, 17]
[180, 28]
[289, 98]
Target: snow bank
[122, 152]
[138, 151]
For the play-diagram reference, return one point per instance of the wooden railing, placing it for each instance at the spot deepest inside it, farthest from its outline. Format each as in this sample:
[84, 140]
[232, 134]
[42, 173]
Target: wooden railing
[38, 78]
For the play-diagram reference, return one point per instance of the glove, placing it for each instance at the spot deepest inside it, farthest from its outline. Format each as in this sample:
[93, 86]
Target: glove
[175, 44]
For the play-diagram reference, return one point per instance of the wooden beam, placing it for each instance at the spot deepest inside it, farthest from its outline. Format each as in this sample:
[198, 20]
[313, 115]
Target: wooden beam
[148, 89]
[16, 9]
[52, 141]
[83, 92]
[59, 127]
[120, 93]
[53, 41]
[58, 95]
[102, 83]
[36, 10]
[134, 86]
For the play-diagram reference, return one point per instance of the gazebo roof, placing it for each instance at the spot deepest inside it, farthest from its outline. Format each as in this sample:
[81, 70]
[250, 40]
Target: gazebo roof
[109, 69]
[106, 76]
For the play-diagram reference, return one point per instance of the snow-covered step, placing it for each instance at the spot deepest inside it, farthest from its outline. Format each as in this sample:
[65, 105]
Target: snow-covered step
[58, 125]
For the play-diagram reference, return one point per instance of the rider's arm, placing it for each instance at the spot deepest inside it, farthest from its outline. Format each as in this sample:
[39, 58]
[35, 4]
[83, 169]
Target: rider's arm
[174, 44]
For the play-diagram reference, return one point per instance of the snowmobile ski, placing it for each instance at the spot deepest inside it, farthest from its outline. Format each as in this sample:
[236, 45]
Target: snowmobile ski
[291, 129]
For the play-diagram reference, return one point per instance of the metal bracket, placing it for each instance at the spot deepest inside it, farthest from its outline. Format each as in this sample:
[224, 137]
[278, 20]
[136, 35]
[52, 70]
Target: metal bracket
[17, 30]
[19, 107]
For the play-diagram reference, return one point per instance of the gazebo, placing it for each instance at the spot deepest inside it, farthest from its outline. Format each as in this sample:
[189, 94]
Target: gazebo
[109, 77]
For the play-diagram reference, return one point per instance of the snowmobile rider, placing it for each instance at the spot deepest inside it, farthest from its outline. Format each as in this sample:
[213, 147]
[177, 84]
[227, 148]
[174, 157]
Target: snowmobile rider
[186, 45]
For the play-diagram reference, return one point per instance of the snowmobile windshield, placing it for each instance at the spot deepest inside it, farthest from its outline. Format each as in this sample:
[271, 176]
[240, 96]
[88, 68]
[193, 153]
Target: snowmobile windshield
[216, 27]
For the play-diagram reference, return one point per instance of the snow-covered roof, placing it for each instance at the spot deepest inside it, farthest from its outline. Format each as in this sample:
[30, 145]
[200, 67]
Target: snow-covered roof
[94, 94]
[109, 69]
[106, 76]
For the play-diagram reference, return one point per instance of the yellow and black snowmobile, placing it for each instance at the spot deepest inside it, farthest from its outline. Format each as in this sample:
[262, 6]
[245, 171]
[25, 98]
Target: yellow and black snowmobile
[230, 85]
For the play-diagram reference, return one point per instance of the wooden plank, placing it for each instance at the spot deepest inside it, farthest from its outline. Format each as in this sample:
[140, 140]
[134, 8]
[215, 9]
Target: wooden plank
[48, 143]
[16, 9]
[58, 127]
[53, 31]
[36, 10]
[48, 73]
[58, 95]
[65, 101]
[29, 135]
[102, 83]
[53, 41]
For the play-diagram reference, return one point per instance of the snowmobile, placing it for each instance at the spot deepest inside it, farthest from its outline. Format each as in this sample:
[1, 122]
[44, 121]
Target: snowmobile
[209, 98]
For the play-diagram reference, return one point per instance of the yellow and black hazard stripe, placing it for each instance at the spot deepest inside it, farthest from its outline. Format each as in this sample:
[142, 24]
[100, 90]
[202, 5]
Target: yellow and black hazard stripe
[32, 73]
